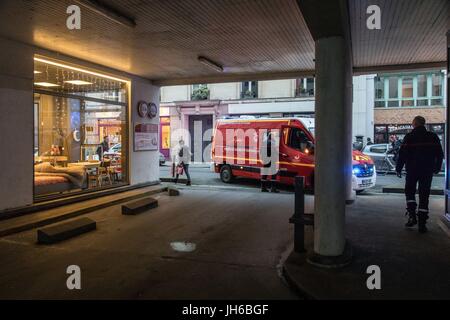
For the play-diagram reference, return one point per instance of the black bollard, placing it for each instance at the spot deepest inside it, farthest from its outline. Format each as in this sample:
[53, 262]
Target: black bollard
[298, 217]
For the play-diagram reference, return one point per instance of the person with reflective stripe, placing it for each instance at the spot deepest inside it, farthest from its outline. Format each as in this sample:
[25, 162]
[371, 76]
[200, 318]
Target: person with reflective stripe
[421, 153]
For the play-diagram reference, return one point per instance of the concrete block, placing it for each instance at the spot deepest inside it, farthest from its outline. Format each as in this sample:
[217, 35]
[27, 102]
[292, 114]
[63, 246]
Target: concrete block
[173, 192]
[136, 207]
[66, 230]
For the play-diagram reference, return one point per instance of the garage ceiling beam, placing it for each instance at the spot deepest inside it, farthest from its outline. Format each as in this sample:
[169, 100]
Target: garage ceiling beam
[400, 68]
[235, 78]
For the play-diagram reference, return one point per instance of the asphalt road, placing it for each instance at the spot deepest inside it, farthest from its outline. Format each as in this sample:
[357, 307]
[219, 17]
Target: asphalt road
[201, 175]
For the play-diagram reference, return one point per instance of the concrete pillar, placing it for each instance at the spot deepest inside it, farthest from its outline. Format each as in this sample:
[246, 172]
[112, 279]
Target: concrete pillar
[348, 122]
[333, 136]
[16, 124]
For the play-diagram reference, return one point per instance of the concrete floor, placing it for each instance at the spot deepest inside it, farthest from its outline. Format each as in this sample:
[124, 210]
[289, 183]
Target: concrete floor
[413, 265]
[239, 237]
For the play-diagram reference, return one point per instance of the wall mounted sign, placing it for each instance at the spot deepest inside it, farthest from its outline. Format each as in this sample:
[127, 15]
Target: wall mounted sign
[142, 109]
[146, 137]
[152, 110]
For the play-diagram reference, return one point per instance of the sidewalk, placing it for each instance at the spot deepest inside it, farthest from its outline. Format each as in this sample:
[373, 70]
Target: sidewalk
[413, 265]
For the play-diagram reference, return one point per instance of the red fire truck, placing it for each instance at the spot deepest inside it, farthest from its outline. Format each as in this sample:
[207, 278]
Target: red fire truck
[236, 151]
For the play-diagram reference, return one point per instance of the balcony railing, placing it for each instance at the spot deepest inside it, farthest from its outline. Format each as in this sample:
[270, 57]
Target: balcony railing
[249, 94]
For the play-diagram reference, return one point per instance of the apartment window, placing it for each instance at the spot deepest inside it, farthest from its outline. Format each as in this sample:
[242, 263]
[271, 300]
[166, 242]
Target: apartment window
[422, 91]
[436, 90]
[393, 92]
[304, 87]
[379, 92]
[410, 90]
[200, 92]
[249, 90]
[407, 92]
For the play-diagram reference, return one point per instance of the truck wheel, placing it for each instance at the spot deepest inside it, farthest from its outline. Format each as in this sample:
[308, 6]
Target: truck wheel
[225, 174]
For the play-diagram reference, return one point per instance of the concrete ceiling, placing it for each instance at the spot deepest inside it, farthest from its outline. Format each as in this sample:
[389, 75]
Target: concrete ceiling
[251, 38]
[412, 32]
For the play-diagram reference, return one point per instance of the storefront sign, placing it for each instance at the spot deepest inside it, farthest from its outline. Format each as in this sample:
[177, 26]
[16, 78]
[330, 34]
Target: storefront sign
[146, 137]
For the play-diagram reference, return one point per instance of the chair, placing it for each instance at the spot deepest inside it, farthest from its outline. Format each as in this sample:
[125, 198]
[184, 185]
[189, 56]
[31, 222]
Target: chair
[104, 172]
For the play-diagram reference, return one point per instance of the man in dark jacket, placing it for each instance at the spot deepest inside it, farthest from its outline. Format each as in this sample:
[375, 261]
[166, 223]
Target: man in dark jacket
[421, 152]
[102, 148]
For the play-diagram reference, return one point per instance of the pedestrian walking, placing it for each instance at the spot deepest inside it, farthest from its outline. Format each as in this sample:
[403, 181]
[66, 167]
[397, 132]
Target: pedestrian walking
[182, 160]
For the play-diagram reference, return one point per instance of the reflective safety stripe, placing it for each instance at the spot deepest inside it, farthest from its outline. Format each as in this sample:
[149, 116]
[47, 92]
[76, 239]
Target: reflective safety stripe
[408, 201]
[423, 210]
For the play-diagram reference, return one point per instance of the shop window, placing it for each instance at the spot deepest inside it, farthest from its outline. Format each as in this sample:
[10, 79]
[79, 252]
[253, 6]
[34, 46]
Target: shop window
[165, 137]
[80, 130]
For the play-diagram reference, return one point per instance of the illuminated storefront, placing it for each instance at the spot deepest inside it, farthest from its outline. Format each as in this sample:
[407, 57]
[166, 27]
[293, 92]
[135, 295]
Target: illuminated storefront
[80, 129]
[165, 136]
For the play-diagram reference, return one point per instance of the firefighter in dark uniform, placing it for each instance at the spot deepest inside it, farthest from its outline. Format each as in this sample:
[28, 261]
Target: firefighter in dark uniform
[421, 152]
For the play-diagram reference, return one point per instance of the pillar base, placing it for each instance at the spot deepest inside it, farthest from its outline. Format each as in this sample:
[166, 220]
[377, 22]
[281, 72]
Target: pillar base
[331, 262]
[351, 198]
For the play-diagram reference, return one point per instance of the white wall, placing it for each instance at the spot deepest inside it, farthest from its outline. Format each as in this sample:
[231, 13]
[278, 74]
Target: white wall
[275, 89]
[363, 102]
[175, 93]
[271, 107]
[16, 125]
[144, 165]
[224, 91]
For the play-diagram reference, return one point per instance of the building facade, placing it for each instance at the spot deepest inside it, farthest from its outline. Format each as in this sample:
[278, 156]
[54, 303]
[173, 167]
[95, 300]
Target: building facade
[383, 105]
[183, 106]
[401, 97]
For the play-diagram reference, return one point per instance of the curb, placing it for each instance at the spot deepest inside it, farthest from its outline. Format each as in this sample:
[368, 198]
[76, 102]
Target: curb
[434, 192]
[68, 215]
[297, 287]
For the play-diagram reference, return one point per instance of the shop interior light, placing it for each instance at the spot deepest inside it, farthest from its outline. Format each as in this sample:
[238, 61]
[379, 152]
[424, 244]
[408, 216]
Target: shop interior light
[46, 84]
[78, 82]
[61, 65]
[210, 63]
[37, 72]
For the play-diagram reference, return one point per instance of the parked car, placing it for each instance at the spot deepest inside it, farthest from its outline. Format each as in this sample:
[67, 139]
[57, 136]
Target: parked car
[379, 153]
[115, 150]
[162, 159]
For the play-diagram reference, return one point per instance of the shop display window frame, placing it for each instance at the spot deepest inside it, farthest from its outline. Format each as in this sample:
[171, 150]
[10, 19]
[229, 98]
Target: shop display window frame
[82, 99]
